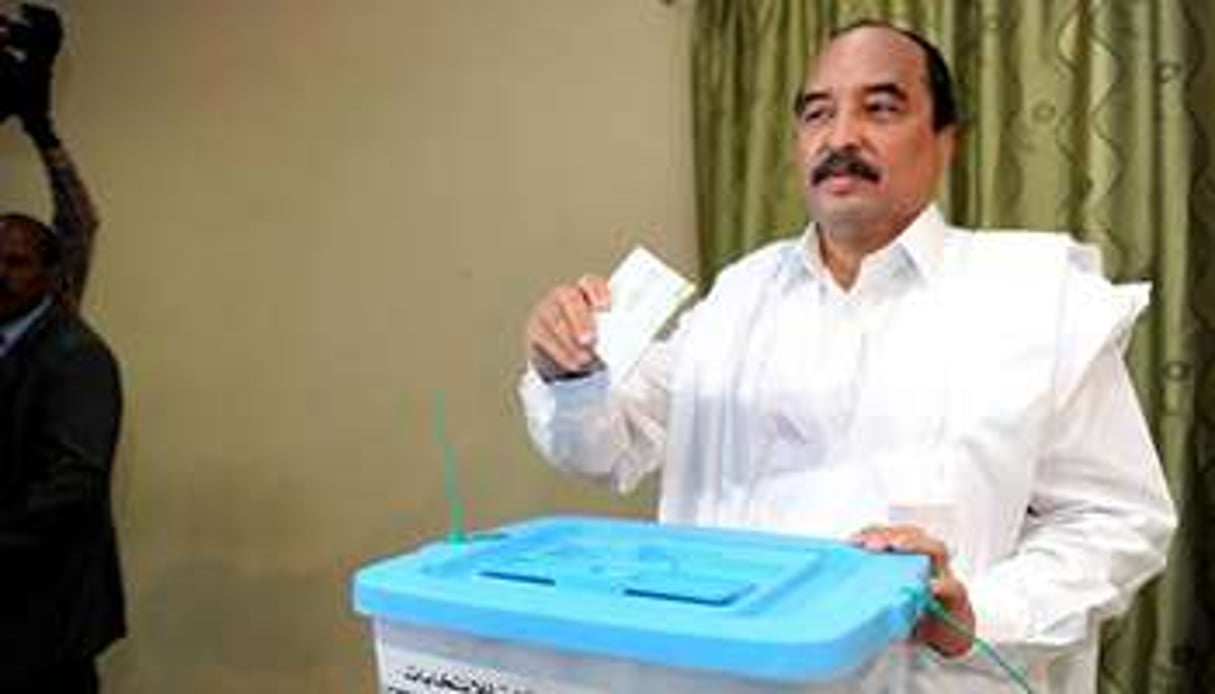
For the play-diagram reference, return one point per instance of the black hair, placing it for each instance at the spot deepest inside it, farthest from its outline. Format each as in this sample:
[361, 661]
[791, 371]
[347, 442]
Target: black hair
[940, 83]
[50, 248]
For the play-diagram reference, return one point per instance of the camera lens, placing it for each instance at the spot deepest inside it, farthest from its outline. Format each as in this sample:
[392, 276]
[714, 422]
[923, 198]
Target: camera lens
[9, 77]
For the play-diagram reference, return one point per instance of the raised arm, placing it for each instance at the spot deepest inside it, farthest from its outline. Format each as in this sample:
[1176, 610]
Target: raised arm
[75, 219]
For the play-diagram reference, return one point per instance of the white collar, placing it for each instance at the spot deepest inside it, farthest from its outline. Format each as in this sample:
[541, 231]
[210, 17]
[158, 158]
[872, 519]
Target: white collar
[918, 246]
[12, 331]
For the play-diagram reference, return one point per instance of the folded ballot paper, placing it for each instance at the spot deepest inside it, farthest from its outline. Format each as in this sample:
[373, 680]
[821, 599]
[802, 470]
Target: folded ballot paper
[645, 293]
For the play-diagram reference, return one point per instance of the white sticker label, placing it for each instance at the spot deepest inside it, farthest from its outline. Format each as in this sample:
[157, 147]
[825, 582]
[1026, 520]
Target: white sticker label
[409, 672]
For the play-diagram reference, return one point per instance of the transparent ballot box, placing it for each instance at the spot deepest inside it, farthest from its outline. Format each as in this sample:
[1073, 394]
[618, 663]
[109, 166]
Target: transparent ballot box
[572, 605]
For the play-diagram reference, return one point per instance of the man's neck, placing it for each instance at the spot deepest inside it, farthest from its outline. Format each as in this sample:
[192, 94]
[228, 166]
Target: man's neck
[843, 254]
[843, 250]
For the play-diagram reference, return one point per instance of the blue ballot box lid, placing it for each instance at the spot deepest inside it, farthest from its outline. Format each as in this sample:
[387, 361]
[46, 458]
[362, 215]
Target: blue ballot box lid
[744, 603]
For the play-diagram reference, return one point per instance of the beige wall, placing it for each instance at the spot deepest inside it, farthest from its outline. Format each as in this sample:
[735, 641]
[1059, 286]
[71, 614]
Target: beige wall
[316, 214]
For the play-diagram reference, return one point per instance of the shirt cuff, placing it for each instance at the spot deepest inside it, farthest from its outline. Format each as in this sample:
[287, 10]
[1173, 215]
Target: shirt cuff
[567, 395]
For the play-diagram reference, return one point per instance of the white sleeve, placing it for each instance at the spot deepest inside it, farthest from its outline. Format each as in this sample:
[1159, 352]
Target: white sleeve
[1100, 515]
[611, 432]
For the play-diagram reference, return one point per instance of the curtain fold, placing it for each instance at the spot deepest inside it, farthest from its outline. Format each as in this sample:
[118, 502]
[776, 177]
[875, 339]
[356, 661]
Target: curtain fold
[1090, 117]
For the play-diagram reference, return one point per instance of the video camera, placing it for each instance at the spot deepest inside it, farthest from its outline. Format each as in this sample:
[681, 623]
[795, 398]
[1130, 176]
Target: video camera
[28, 42]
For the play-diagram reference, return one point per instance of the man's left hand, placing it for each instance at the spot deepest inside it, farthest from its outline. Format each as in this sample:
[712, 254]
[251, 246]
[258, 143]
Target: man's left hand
[946, 588]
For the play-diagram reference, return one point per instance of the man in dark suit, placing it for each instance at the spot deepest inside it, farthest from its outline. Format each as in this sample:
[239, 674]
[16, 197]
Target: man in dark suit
[61, 601]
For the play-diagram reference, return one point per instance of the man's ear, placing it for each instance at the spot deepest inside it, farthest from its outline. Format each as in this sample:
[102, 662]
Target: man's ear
[947, 145]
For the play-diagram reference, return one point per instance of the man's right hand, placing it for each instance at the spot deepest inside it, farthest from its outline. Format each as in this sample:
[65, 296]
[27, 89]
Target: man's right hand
[560, 334]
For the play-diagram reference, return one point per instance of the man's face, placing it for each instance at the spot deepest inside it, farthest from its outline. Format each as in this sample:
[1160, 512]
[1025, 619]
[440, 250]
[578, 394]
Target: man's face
[868, 103]
[24, 277]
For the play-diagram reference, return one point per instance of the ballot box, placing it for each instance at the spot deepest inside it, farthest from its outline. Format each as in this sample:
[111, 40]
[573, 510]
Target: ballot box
[574, 605]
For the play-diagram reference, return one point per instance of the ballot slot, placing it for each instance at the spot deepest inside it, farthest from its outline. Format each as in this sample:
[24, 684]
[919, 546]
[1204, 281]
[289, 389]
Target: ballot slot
[668, 586]
[685, 573]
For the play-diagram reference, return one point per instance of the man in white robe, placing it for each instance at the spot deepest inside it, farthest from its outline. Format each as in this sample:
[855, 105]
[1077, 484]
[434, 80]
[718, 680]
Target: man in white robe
[891, 379]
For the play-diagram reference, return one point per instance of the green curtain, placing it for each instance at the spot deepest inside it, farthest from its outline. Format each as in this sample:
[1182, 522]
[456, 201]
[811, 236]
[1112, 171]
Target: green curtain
[1093, 117]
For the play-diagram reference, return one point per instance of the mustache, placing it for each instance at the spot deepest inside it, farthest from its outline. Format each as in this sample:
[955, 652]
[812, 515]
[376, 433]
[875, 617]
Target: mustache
[843, 161]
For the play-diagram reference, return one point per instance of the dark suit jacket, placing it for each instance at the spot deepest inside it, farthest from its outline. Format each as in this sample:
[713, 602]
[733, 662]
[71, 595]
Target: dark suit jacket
[60, 404]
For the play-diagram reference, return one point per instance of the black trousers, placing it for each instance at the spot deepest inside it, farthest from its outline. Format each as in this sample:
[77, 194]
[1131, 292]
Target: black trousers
[79, 677]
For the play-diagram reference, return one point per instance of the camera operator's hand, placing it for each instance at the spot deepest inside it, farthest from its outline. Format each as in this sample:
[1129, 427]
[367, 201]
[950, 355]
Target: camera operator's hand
[41, 37]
